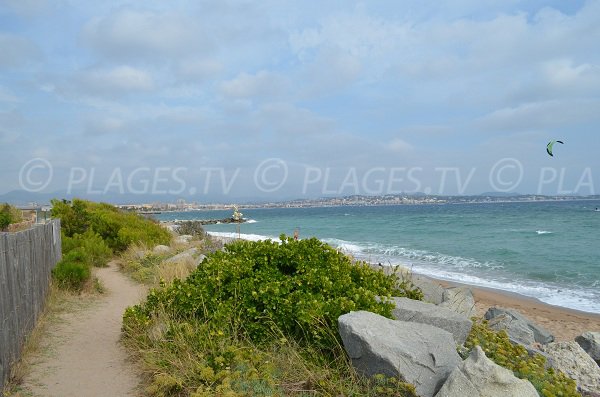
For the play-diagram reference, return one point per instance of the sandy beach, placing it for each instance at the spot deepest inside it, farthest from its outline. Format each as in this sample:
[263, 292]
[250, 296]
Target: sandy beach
[565, 324]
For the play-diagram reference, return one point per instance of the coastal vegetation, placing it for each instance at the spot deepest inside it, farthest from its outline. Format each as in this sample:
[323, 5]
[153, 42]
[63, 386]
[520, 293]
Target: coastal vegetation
[92, 233]
[260, 318]
[498, 347]
[9, 215]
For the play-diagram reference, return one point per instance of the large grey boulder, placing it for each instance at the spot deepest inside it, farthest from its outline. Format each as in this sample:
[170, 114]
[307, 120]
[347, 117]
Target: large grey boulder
[428, 313]
[590, 342]
[433, 292]
[540, 334]
[183, 239]
[420, 354]
[518, 331]
[161, 249]
[187, 255]
[571, 359]
[459, 299]
[478, 376]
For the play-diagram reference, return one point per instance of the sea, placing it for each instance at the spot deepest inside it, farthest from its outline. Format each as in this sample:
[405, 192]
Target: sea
[545, 250]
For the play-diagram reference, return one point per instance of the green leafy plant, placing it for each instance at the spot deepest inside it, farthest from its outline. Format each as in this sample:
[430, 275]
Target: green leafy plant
[299, 288]
[117, 229]
[499, 349]
[9, 215]
[91, 244]
[73, 271]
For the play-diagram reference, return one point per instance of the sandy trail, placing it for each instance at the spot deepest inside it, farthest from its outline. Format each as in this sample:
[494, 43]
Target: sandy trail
[88, 359]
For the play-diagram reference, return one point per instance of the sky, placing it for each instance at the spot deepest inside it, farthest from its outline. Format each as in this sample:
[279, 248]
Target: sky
[241, 100]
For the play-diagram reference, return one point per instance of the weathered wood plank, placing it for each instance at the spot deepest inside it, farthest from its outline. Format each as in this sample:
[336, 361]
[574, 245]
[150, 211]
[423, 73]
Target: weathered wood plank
[26, 261]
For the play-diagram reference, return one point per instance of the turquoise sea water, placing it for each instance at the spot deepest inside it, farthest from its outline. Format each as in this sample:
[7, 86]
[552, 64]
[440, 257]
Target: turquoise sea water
[546, 250]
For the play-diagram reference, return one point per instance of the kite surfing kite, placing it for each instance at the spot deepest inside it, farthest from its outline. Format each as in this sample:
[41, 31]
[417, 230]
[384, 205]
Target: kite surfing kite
[550, 145]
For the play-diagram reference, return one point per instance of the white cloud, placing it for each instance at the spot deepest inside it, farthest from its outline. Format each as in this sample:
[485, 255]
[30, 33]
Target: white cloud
[129, 34]
[116, 81]
[261, 84]
[399, 146]
[199, 69]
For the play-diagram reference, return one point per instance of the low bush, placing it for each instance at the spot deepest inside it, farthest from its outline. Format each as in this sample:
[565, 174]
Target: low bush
[499, 349]
[9, 215]
[118, 229]
[73, 271]
[91, 244]
[299, 288]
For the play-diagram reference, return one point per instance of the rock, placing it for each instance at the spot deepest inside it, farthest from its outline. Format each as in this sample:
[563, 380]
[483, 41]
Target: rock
[571, 359]
[417, 353]
[590, 343]
[187, 255]
[478, 376]
[539, 333]
[200, 259]
[517, 330]
[427, 313]
[433, 292]
[459, 299]
[161, 249]
[183, 239]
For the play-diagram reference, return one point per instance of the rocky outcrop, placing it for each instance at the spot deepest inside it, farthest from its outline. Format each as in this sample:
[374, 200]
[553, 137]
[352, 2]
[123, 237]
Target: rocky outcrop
[183, 239]
[187, 255]
[417, 353]
[161, 249]
[518, 331]
[433, 292]
[427, 313]
[590, 343]
[460, 300]
[571, 359]
[539, 333]
[478, 376]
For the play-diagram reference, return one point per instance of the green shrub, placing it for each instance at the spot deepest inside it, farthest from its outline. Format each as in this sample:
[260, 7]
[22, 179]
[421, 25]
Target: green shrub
[91, 244]
[8, 215]
[73, 271]
[498, 348]
[298, 288]
[4, 220]
[118, 229]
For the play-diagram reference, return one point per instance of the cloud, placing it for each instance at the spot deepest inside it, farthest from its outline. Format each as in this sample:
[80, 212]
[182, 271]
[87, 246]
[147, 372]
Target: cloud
[130, 34]
[540, 115]
[399, 146]
[121, 80]
[17, 51]
[261, 84]
[199, 69]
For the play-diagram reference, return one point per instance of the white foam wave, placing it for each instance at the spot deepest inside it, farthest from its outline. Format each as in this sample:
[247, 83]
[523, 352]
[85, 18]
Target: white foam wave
[243, 236]
[251, 221]
[543, 232]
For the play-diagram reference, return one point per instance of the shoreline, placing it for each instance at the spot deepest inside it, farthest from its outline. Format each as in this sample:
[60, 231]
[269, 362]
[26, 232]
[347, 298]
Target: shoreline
[564, 323]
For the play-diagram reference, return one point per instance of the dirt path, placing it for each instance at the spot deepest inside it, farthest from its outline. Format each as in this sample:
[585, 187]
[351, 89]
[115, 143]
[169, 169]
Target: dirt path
[88, 359]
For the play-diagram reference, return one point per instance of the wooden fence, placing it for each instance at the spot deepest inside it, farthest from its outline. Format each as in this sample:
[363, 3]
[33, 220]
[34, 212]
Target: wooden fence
[26, 260]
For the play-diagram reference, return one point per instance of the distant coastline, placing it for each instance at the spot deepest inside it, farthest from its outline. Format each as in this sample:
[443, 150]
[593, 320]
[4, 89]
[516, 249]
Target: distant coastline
[354, 201]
